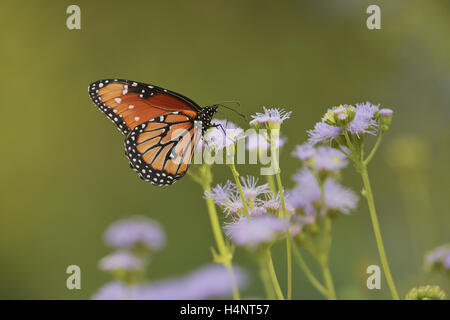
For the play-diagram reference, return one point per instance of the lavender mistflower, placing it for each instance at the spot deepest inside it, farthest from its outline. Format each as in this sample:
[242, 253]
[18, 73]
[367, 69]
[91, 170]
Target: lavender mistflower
[256, 231]
[304, 178]
[364, 119]
[304, 151]
[270, 116]
[271, 203]
[220, 194]
[322, 158]
[339, 198]
[259, 142]
[250, 189]
[233, 206]
[223, 136]
[258, 211]
[114, 291]
[137, 231]
[323, 133]
[447, 262]
[298, 223]
[306, 193]
[439, 258]
[120, 260]
[211, 281]
[329, 159]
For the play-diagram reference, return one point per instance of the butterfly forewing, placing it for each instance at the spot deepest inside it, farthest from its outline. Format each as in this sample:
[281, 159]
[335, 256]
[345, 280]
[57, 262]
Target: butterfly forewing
[130, 103]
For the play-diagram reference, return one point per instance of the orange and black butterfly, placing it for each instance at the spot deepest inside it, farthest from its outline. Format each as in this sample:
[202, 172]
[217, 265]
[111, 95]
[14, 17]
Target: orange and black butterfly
[160, 126]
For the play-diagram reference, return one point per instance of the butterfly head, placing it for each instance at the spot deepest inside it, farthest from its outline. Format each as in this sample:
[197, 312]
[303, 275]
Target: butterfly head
[206, 115]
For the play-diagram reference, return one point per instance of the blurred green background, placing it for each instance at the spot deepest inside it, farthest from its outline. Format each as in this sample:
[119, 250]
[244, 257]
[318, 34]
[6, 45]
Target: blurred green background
[64, 177]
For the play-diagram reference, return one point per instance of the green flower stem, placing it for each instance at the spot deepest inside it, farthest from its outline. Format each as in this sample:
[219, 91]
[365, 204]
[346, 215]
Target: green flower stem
[265, 277]
[280, 188]
[271, 183]
[289, 264]
[302, 263]
[361, 165]
[235, 289]
[376, 229]
[328, 281]
[323, 256]
[289, 244]
[273, 275]
[225, 255]
[324, 265]
[274, 152]
[348, 155]
[241, 193]
[349, 143]
[374, 149]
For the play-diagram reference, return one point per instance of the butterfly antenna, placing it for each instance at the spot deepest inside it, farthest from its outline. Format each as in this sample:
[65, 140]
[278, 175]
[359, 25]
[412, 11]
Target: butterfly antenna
[234, 110]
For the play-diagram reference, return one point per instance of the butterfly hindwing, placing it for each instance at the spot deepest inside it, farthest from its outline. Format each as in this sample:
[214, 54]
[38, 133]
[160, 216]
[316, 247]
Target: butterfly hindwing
[161, 149]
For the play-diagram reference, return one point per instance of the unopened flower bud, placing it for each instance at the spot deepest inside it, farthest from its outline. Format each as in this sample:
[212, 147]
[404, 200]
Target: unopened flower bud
[426, 293]
[385, 119]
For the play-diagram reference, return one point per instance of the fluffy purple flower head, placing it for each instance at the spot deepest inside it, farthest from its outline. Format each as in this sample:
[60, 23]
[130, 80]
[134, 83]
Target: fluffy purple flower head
[306, 192]
[259, 142]
[446, 262]
[220, 194]
[364, 119]
[322, 158]
[120, 260]
[211, 281]
[323, 133]
[250, 188]
[339, 198]
[304, 151]
[137, 231]
[228, 197]
[269, 117]
[439, 258]
[115, 291]
[329, 159]
[256, 231]
[271, 203]
[233, 206]
[298, 222]
[223, 136]
[258, 211]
